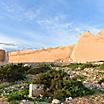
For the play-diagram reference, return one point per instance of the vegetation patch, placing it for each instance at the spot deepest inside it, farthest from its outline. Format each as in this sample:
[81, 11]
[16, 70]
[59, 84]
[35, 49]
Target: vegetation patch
[81, 66]
[12, 72]
[101, 81]
[18, 95]
[101, 66]
[59, 81]
[39, 68]
[59, 85]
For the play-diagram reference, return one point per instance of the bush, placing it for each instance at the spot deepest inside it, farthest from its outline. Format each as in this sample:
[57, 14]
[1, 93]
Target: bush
[12, 72]
[72, 65]
[82, 66]
[88, 65]
[39, 68]
[59, 85]
[14, 102]
[101, 66]
[79, 78]
[76, 88]
[18, 95]
[101, 81]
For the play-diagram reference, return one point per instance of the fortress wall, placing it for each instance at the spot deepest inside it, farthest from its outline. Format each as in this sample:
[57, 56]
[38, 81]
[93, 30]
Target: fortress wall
[43, 55]
[88, 48]
[2, 55]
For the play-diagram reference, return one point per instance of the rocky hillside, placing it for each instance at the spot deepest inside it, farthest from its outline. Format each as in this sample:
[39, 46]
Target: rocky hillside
[80, 83]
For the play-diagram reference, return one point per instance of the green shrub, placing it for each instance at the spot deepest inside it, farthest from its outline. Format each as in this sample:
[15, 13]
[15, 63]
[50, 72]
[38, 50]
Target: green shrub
[72, 65]
[101, 73]
[12, 72]
[59, 85]
[18, 95]
[14, 102]
[79, 78]
[76, 88]
[85, 65]
[82, 66]
[101, 81]
[39, 68]
[101, 66]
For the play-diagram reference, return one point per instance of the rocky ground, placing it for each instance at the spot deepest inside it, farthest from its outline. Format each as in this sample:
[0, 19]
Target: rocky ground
[91, 77]
[94, 99]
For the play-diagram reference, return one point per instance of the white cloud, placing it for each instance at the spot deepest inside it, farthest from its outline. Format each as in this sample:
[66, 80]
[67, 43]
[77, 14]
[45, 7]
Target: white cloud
[56, 28]
[60, 31]
[93, 29]
[56, 25]
[85, 27]
[18, 43]
[15, 11]
[65, 32]
[5, 39]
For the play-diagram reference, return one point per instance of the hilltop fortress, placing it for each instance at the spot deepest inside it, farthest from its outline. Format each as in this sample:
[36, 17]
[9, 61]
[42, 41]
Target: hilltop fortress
[88, 48]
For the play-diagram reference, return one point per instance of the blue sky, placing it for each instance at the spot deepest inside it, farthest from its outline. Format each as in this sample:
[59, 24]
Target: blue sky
[47, 23]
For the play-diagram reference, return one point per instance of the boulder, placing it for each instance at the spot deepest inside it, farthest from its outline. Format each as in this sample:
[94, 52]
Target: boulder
[36, 90]
[68, 100]
[26, 102]
[56, 101]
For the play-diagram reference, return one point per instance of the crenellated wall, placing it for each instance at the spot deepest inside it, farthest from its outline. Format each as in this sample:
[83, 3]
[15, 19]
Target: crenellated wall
[43, 55]
[89, 48]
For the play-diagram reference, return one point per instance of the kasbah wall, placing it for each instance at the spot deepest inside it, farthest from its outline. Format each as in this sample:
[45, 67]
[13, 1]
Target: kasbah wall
[43, 55]
[88, 48]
